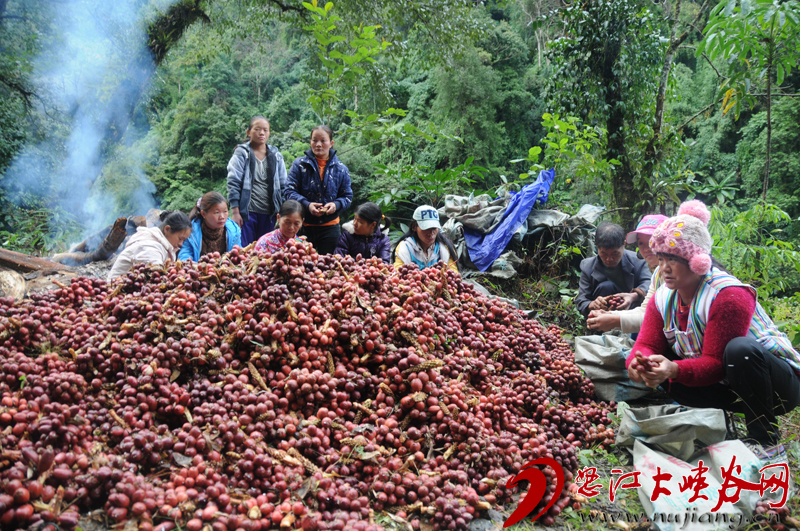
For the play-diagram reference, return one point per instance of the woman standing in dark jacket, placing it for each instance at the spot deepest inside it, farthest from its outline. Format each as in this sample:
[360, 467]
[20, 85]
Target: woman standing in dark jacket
[363, 235]
[321, 183]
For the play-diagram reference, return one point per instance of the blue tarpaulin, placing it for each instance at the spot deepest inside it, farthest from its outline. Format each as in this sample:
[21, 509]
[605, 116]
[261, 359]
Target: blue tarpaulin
[485, 248]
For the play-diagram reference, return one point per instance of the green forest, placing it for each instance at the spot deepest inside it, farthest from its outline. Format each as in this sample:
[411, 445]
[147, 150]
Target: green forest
[638, 106]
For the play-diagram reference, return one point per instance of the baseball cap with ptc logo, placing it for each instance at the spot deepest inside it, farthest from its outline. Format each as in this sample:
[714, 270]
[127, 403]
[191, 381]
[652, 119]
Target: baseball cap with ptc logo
[426, 217]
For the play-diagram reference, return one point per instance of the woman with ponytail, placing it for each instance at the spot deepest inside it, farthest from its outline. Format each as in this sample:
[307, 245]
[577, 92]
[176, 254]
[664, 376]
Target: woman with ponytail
[153, 245]
[364, 235]
[212, 229]
[707, 341]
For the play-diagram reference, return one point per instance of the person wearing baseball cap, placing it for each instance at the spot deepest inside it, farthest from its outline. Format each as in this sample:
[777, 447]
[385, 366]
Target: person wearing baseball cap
[712, 343]
[424, 244]
[645, 228]
[630, 321]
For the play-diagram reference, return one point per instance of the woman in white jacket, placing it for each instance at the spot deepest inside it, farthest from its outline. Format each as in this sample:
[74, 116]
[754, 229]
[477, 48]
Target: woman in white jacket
[154, 245]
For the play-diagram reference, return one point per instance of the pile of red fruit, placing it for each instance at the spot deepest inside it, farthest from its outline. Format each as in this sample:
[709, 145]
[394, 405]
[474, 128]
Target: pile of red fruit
[253, 392]
[777, 519]
[614, 302]
[644, 363]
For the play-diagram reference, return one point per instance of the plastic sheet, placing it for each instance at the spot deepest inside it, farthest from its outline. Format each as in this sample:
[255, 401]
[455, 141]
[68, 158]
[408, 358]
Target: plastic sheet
[485, 248]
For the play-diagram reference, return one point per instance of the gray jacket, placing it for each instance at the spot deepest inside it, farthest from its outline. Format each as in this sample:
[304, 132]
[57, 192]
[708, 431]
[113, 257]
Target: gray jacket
[637, 275]
[241, 168]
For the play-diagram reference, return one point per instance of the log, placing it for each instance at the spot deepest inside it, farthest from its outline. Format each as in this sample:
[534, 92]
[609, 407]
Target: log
[91, 243]
[95, 241]
[24, 262]
[134, 222]
[110, 244]
[12, 285]
[152, 218]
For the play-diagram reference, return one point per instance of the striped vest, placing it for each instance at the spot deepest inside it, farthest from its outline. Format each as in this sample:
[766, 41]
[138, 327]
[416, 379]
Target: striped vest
[689, 344]
[657, 278]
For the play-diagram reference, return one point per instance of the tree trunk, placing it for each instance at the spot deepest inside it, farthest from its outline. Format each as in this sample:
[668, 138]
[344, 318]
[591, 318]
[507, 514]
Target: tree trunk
[539, 46]
[770, 58]
[665, 71]
[622, 182]
[769, 128]
[653, 149]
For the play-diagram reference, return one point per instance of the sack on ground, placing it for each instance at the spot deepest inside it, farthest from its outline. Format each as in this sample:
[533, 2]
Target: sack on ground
[672, 428]
[602, 359]
[674, 512]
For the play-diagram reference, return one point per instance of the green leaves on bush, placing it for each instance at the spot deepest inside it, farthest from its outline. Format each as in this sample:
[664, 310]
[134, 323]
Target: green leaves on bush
[753, 246]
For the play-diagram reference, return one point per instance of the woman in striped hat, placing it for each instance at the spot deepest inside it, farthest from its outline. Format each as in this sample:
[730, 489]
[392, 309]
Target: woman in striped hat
[709, 342]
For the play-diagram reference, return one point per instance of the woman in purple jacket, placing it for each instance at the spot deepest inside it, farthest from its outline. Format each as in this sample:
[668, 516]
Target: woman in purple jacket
[363, 235]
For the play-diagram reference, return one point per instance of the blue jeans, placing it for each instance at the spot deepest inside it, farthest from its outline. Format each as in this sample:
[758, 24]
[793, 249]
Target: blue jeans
[255, 226]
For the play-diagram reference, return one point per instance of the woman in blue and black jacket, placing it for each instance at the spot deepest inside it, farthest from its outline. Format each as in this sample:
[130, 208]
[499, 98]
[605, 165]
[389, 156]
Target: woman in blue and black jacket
[321, 183]
[212, 229]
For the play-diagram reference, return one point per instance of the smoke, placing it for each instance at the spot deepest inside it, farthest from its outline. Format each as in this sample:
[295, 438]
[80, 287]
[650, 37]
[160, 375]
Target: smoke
[93, 69]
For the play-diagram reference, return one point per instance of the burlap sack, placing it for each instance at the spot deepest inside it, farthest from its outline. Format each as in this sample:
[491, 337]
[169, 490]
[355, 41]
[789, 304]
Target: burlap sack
[602, 359]
[672, 428]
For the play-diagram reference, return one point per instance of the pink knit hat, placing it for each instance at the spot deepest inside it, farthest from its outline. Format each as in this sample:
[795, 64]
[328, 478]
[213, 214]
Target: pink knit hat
[686, 235]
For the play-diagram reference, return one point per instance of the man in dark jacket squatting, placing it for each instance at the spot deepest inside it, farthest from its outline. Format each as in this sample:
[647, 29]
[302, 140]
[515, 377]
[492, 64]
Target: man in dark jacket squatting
[614, 271]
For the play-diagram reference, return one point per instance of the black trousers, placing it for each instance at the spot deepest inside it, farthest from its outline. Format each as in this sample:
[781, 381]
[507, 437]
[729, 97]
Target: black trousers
[324, 239]
[759, 384]
[606, 288]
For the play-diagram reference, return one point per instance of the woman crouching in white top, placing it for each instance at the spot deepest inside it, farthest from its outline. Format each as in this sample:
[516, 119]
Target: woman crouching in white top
[153, 245]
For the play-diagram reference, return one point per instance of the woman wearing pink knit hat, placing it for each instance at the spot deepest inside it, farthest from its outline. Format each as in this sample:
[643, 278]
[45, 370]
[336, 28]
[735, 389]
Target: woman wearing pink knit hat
[711, 342]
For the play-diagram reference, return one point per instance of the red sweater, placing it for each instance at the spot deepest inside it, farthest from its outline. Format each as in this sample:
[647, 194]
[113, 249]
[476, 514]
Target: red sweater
[728, 318]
